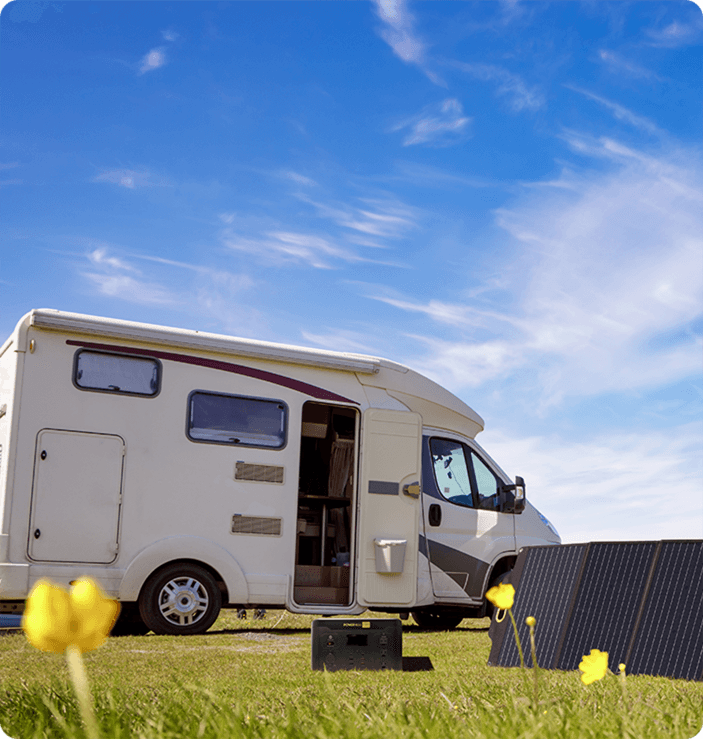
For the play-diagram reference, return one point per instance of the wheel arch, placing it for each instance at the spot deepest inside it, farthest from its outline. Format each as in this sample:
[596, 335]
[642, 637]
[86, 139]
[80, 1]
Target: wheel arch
[500, 567]
[191, 549]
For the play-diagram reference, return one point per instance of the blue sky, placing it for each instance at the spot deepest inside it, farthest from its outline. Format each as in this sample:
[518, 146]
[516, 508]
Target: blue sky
[506, 196]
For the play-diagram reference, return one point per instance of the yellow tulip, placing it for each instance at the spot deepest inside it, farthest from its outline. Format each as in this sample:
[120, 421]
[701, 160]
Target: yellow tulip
[55, 618]
[593, 666]
[501, 596]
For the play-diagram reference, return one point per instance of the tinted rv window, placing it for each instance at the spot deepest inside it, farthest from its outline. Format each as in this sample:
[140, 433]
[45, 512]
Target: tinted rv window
[116, 373]
[232, 419]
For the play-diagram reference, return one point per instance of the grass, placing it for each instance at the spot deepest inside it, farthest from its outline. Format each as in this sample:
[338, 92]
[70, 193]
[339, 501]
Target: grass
[253, 680]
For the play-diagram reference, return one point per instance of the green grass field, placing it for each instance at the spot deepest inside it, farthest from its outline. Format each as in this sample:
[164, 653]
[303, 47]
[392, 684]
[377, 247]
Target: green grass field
[253, 679]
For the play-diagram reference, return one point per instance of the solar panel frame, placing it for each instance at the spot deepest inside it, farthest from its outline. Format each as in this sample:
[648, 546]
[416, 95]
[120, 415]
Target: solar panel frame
[669, 640]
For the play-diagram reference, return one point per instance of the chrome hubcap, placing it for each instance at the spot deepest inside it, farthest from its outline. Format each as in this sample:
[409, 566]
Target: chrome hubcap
[183, 601]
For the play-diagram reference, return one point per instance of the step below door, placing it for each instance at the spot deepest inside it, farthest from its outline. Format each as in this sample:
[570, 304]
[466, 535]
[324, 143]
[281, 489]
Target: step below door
[76, 497]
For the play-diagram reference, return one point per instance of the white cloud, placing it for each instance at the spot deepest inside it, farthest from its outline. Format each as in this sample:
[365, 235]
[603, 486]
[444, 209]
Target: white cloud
[619, 486]
[128, 178]
[299, 179]
[170, 35]
[521, 96]
[399, 32]
[130, 289]
[620, 112]
[285, 247]
[443, 124]
[376, 216]
[100, 258]
[152, 60]
[619, 64]
[600, 294]
[674, 35]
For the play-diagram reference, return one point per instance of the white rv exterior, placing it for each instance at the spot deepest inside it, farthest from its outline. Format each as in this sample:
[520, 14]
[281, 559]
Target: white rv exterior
[187, 471]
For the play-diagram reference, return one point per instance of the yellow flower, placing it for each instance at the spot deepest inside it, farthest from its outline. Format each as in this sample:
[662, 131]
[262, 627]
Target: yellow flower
[501, 596]
[594, 666]
[55, 618]
[530, 620]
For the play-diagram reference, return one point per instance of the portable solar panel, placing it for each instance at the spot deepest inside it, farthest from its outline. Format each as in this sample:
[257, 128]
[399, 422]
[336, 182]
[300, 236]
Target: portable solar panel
[642, 602]
[359, 644]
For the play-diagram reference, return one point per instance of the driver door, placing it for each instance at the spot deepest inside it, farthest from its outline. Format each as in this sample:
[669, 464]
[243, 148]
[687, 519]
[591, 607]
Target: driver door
[464, 527]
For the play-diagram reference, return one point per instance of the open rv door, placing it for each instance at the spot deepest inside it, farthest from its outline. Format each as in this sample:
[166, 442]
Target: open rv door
[389, 511]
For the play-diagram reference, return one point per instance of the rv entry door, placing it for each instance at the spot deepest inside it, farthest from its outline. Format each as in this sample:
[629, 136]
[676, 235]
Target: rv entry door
[389, 508]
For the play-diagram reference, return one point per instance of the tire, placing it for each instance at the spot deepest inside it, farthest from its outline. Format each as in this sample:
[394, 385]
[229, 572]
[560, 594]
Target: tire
[180, 599]
[490, 608]
[129, 622]
[436, 620]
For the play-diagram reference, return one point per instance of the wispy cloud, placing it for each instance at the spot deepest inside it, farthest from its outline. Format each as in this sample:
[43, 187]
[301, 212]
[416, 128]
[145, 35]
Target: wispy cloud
[170, 35]
[443, 124]
[675, 34]
[608, 283]
[375, 217]
[610, 488]
[298, 178]
[619, 64]
[100, 258]
[125, 287]
[153, 60]
[620, 112]
[400, 34]
[129, 178]
[284, 247]
[519, 94]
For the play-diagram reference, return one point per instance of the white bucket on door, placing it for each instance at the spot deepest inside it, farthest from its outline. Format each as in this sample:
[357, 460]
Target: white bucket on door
[390, 555]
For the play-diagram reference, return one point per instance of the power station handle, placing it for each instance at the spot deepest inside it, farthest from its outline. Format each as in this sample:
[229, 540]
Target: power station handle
[435, 514]
[412, 489]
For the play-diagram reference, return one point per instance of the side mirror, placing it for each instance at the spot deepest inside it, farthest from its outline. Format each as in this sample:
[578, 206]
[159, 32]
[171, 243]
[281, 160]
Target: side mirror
[513, 496]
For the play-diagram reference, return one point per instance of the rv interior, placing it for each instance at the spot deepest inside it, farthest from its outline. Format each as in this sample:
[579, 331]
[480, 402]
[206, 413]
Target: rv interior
[325, 505]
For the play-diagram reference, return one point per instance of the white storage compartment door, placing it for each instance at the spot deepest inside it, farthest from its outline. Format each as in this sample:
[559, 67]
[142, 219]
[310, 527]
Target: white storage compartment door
[76, 497]
[389, 508]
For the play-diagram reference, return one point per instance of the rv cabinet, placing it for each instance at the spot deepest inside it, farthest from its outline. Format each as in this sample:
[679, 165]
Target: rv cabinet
[188, 472]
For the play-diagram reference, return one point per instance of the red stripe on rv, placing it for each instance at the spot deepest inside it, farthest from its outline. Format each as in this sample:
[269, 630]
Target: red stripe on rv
[237, 369]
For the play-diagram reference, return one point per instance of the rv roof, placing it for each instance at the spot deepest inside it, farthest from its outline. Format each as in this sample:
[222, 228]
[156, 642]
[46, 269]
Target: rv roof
[84, 324]
[437, 405]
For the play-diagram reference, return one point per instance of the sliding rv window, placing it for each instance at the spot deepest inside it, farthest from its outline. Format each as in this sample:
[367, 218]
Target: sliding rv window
[238, 420]
[116, 373]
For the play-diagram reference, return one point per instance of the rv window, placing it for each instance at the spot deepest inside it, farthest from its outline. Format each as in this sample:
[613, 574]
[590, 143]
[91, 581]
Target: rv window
[116, 373]
[232, 419]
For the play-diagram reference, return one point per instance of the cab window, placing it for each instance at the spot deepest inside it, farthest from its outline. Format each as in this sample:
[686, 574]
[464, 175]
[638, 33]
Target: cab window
[486, 485]
[451, 471]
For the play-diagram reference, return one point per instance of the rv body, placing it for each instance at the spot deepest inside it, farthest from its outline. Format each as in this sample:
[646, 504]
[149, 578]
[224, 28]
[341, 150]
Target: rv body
[186, 472]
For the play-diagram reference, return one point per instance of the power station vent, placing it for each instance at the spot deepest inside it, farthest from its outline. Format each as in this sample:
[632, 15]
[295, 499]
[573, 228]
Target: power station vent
[258, 472]
[256, 525]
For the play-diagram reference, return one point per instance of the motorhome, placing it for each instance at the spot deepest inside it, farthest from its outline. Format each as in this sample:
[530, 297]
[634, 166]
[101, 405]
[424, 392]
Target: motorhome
[188, 472]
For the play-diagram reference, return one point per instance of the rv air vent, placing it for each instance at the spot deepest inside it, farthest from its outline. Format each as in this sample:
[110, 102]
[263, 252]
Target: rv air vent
[258, 525]
[258, 472]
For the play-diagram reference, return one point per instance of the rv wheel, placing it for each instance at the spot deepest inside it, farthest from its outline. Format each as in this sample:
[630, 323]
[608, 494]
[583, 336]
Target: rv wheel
[436, 620]
[180, 599]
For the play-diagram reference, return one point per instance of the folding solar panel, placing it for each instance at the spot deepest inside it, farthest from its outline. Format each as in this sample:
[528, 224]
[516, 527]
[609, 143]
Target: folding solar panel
[642, 602]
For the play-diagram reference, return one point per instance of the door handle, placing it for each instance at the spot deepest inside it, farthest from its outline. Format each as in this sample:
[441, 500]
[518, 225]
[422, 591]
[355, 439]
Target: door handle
[435, 515]
[412, 489]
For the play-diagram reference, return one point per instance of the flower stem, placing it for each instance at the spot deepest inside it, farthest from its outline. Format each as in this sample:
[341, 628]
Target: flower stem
[535, 666]
[76, 669]
[517, 638]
